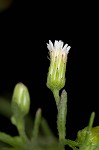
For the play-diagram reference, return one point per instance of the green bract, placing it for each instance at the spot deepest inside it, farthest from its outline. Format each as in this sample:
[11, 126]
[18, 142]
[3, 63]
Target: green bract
[21, 98]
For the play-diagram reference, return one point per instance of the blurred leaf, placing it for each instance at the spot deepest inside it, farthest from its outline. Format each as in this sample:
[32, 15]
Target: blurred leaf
[5, 107]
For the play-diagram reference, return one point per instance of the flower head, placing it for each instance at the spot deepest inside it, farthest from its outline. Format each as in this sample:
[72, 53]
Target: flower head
[58, 58]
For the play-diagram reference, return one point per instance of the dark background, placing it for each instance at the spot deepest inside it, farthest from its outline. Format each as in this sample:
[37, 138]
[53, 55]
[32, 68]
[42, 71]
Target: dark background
[25, 28]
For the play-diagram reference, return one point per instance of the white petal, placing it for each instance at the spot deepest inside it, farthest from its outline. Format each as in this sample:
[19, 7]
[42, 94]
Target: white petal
[55, 44]
[50, 45]
[65, 47]
[61, 44]
[58, 45]
[68, 48]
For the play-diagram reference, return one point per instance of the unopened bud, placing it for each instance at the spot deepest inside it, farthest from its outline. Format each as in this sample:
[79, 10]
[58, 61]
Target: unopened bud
[21, 98]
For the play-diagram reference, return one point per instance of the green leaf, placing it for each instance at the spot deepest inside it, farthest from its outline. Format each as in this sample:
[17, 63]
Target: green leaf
[61, 118]
[37, 122]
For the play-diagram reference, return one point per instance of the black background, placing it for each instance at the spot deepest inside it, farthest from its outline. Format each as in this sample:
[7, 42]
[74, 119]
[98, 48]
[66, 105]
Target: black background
[25, 28]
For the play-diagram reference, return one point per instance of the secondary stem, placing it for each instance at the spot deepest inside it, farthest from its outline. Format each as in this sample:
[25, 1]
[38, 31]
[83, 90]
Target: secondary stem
[56, 96]
[21, 130]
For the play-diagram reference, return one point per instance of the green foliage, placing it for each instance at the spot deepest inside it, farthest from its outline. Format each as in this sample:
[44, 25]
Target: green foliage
[36, 139]
[61, 117]
[35, 134]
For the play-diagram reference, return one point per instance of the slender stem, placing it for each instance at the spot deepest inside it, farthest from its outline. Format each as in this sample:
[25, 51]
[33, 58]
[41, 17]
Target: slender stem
[36, 124]
[56, 96]
[21, 129]
[61, 117]
[71, 143]
[91, 120]
[8, 139]
[88, 130]
[90, 125]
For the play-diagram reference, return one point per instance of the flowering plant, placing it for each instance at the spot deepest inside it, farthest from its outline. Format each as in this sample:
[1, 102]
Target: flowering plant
[36, 135]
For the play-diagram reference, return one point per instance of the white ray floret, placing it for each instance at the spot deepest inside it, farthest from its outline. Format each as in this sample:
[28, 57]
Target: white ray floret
[58, 46]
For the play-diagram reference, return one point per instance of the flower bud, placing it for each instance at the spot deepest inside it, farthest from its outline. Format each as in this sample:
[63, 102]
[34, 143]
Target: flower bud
[93, 137]
[21, 98]
[58, 58]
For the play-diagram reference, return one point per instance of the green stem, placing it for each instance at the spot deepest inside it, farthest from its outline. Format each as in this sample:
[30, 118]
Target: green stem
[88, 130]
[20, 125]
[8, 139]
[36, 124]
[71, 143]
[61, 117]
[56, 96]
[21, 130]
[89, 126]
[91, 121]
